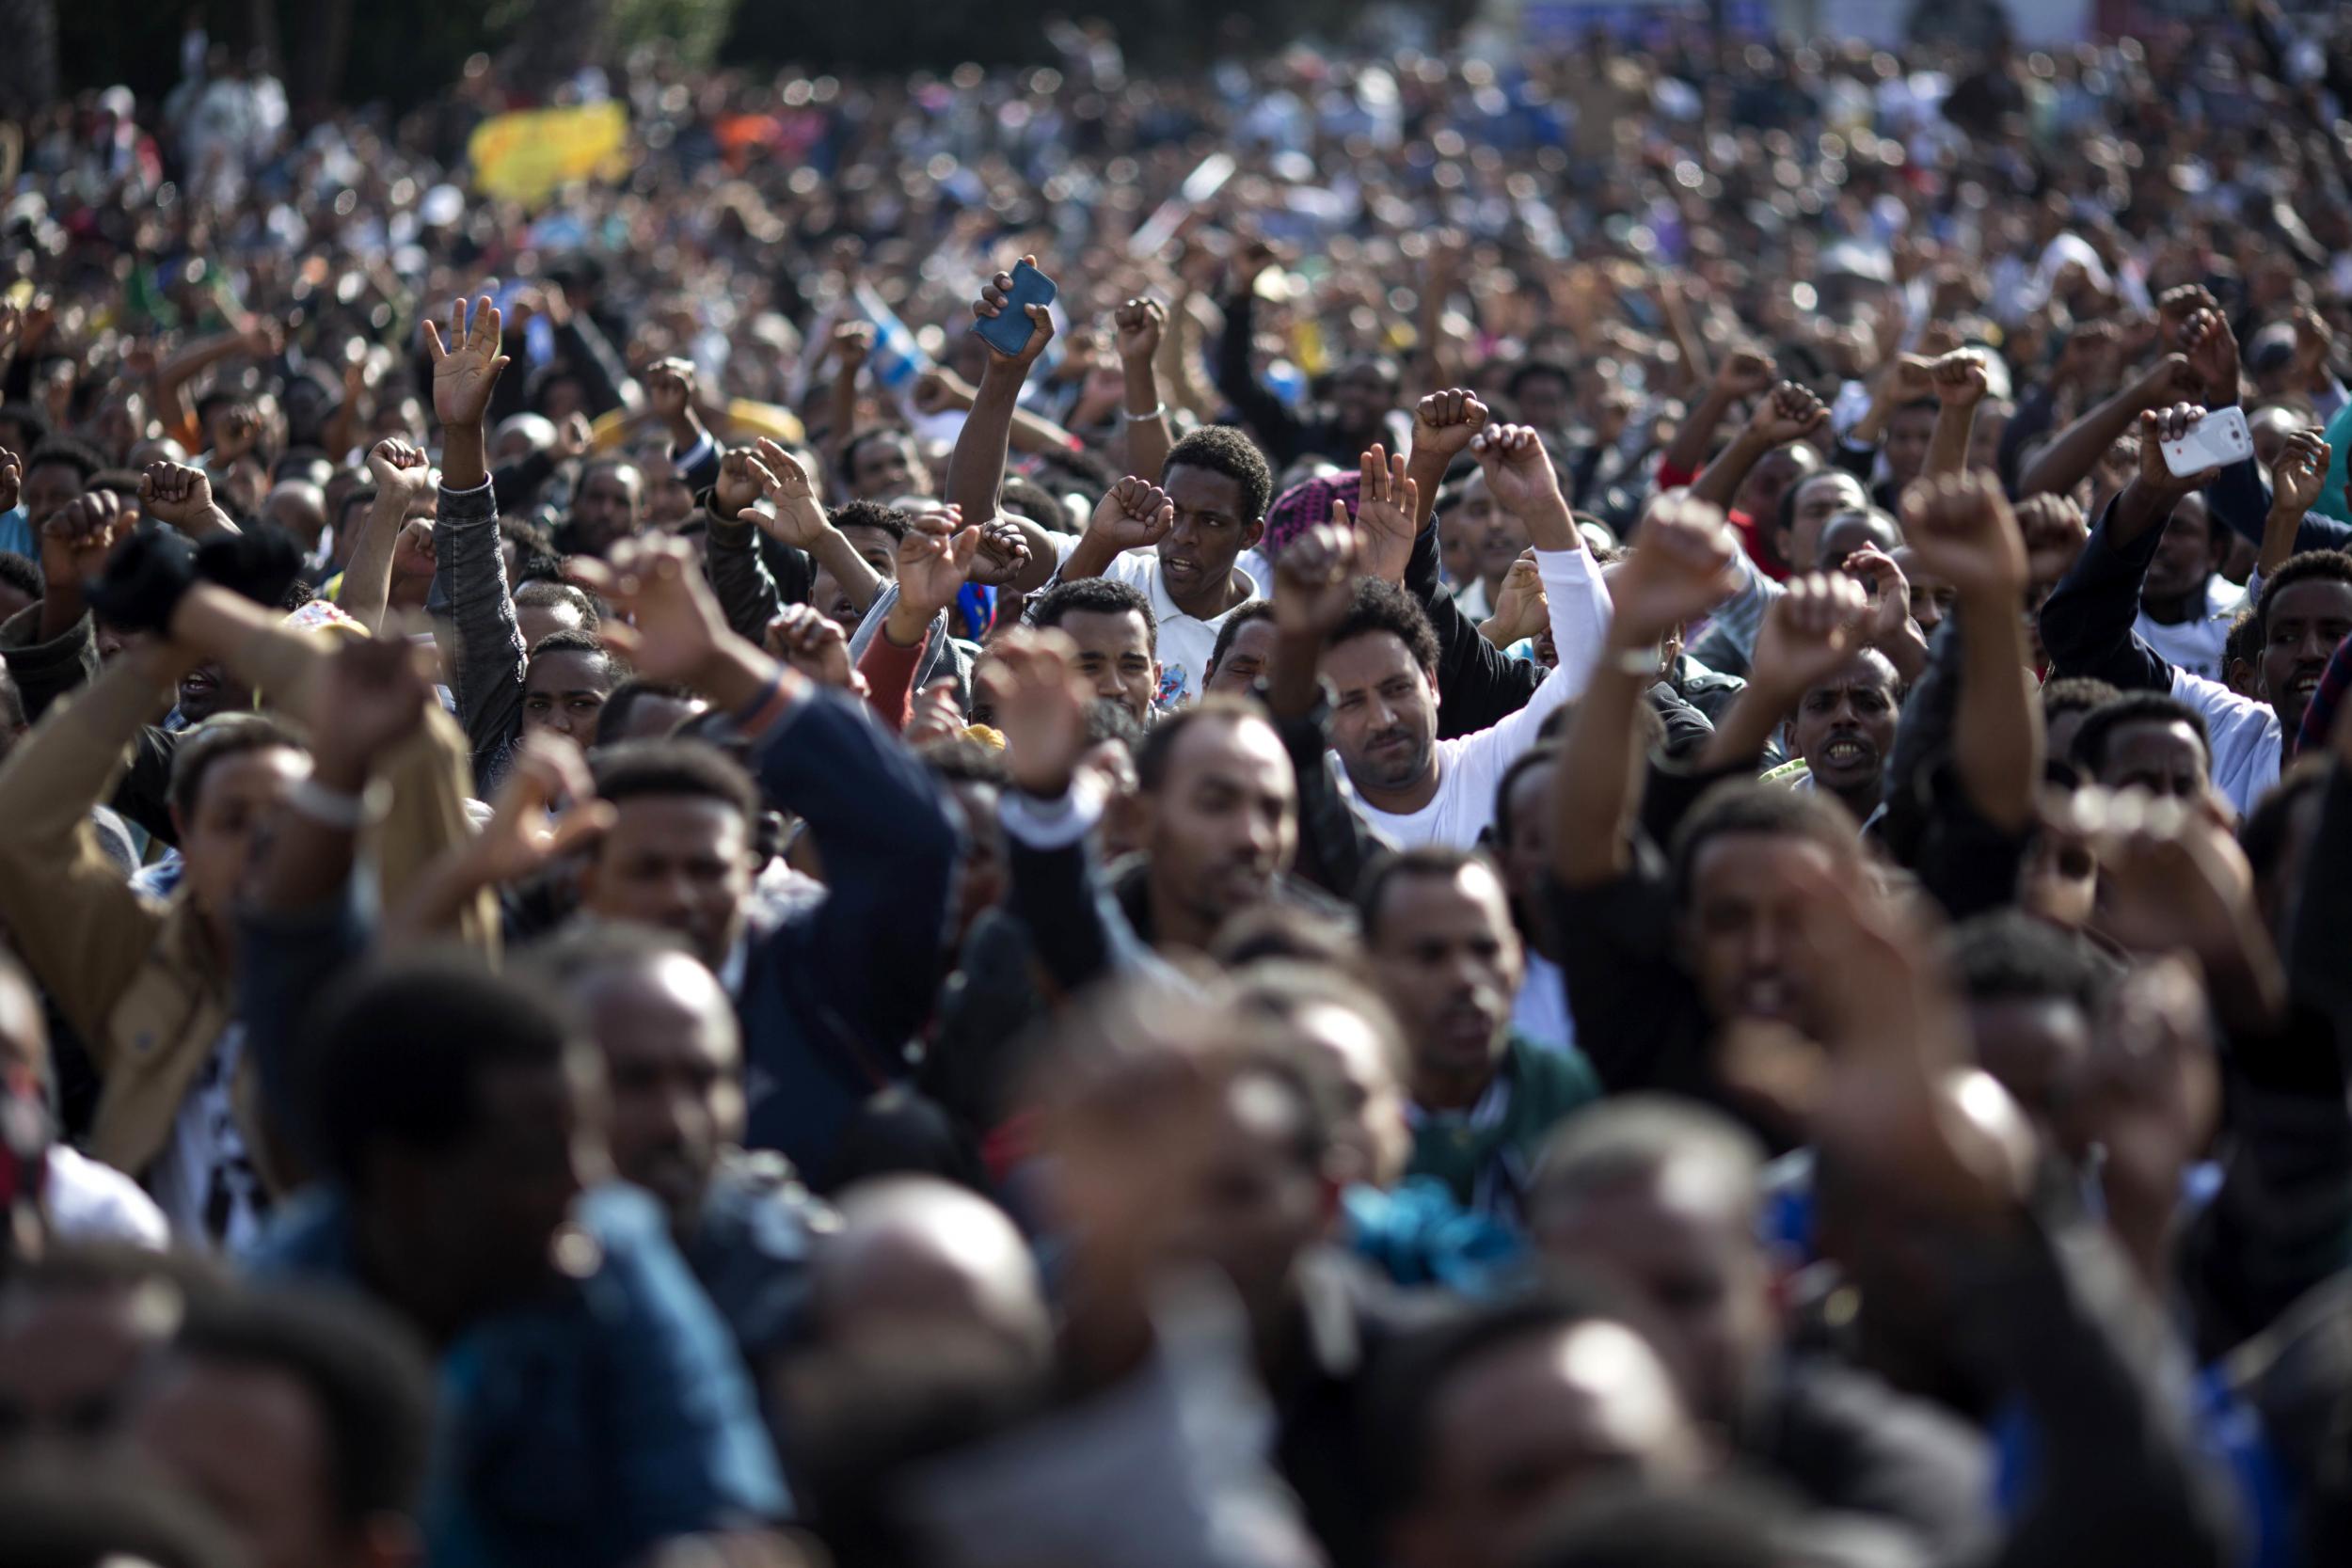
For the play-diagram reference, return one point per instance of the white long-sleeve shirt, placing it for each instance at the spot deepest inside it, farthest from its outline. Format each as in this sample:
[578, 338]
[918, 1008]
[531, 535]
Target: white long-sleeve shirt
[1471, 766]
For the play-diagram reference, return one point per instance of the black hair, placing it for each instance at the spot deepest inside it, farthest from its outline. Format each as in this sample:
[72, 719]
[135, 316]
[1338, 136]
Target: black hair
[1248, 612]
[225, 734]
[2311, 566]
[572, 641]
[401, 1050]
[651, 768]
[1025, 496]
[1308, 1076]
[2134, 707]
[1094, 597]
[364, 494]
[1158, 751]
[1605, 1148]
[551, 594]
[623, 699]
[1434, 862]
[873, 514]
[847, 466]
[1538, 370]
[364, 1372]
[1380, 606]
[2244, 644]
[1786, 518]
[2009, 954]
[1408, 1378]
[2076, 694]
[21, 573]
[1223, 450]
[1522, 764]
[55, 1514]
[1752, 806]
[75, 453]
[121, 482]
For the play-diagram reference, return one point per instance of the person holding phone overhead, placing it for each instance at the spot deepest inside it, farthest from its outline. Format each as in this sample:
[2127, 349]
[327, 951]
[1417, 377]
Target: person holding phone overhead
[1187, 542]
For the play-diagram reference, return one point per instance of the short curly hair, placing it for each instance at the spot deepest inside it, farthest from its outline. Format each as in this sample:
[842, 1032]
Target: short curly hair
[2311, 566]
[1380, 606]
[1223, 450]
[1094, 597]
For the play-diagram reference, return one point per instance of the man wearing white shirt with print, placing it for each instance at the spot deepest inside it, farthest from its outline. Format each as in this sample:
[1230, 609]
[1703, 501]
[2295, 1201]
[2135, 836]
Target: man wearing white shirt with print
[1381, 664]
[1191, 557]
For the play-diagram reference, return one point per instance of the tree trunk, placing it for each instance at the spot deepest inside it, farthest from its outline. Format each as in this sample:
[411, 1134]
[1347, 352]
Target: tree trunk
[28, 64]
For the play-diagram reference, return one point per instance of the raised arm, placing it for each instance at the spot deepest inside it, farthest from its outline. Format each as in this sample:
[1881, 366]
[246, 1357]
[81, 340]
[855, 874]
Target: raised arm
[403, 479]
[1140, 322]
[1790, 414]
[1962, 529]
[2069, 458]
[1744, 374]
[1680, 569]
[1133, 514]
[1444, 424]
[2087, 621]
[976, 469]
[793, 516]
[1808, 632]
[1960, 385]
[738, 573]
[471, 574]
[2296, 478]
[1278, 429]
[1314, 582]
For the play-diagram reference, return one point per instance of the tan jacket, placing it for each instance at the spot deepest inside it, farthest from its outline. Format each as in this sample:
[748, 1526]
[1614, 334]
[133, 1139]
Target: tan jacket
[138, 979]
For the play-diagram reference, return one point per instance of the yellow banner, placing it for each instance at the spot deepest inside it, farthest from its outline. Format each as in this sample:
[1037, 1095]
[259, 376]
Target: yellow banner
[529, 154]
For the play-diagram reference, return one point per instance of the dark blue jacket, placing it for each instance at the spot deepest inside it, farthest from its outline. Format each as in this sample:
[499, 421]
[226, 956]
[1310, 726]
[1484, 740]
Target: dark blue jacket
[831, 995]
[574, 1430]
[584, 1427]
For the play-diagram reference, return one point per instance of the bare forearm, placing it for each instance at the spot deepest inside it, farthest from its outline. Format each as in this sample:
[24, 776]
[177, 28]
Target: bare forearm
[1593, 799]
[1721, 478]
[853, 571]
[2280, 526]
[1426, 469]
[368, 579]
[843, 415]
[1147, 440]
[2069, 458]
[213, 623]
[1947, 447]
[1293, 683]
[1740, 739]
[1996, 733]
[1906, 649]
[1091, 559]
[463, 464]
[61, 606]
[976, 469]
[1036, 433]
[1687, 450]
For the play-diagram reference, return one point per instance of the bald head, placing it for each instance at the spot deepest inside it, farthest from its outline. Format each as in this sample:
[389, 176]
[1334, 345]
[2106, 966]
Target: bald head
[673, 1055]
[916, 1256]
[299, 507]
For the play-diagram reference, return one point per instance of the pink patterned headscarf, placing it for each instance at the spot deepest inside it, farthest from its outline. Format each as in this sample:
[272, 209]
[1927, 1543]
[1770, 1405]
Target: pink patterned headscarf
[1305, 504]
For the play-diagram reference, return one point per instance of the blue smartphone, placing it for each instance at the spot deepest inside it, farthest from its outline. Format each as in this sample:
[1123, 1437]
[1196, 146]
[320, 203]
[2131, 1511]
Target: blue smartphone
[1008, 331]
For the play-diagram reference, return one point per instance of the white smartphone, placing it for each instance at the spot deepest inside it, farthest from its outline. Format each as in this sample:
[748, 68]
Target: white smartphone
[2215, 441]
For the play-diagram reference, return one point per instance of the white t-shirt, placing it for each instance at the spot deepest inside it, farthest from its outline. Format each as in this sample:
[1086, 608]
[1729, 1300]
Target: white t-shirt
[2245, 738]
[1469, 766]
[2195, 644]
[205, 1179]
[1185, 642]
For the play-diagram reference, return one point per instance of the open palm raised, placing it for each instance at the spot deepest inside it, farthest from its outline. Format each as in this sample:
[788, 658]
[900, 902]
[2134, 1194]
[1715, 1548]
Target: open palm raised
[466, 363]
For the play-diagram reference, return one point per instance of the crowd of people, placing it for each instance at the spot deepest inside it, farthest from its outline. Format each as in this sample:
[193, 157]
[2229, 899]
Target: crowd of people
[1390, 808]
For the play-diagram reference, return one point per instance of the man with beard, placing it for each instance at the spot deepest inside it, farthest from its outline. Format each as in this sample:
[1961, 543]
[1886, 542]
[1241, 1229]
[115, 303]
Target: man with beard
[674, 1067]
[1437, 927]
[1382, 663]
[2304, 610]
[1217, 807]
[1844, 729]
